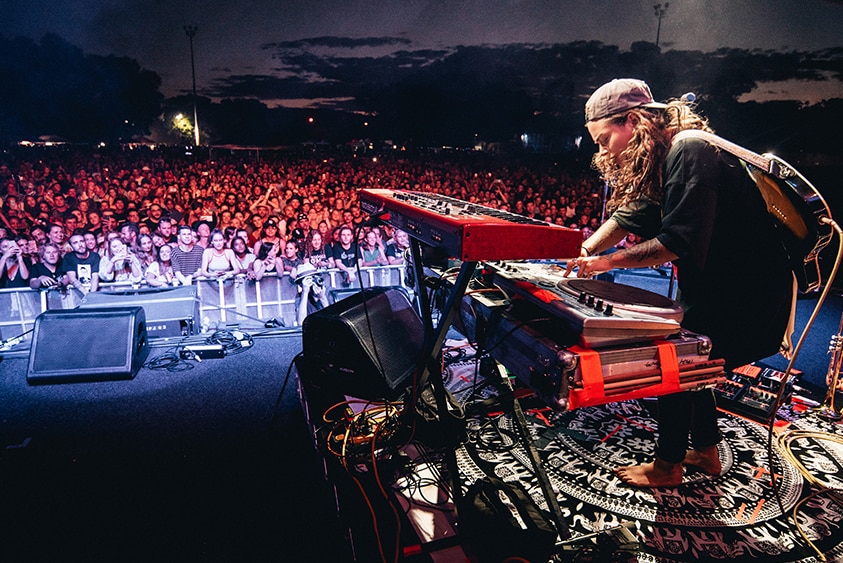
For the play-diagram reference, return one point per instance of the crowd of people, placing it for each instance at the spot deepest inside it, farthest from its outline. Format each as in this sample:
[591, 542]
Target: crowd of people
[80, 218]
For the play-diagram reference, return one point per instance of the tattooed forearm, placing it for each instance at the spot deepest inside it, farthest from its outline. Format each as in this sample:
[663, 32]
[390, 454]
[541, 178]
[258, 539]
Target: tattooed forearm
[647, 253]
[609, 234]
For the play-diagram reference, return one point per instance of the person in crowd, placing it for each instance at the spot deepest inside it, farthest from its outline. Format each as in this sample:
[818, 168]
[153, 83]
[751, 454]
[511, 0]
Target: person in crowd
[290, 259]
[397, 246]
[315, 251]
[146, 251]
[29, 248]
[154, 216]
[230, 232]
[91, 242]
[71, 223]
[47, 274]
[130, 232]
[165, 231]
[630, 240]
[695, 206]
[187, 257]
[160, 273]
[254, 226]
[202, 229]
[39, 235]
[313, 295]
[217, 260]
[324, 229]
[344, 255]
[269, 237]
[94, 220]
[81, 266]
[244, 234]
[265, 260]
[109, 221]
[14, 266]
[245, 257]
[55, 234]
[119, 264]
[319, 214]
[372, 251]
[301, 230]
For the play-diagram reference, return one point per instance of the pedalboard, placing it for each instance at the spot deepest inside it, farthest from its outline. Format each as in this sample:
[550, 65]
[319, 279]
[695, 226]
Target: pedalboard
[751, 391]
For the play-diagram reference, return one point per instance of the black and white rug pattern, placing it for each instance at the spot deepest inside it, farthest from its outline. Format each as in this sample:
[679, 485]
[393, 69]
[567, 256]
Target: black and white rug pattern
[733, 516]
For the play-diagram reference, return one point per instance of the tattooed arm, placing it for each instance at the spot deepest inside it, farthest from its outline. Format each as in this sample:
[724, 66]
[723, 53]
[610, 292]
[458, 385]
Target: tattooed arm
[643, 255]
[609, 234]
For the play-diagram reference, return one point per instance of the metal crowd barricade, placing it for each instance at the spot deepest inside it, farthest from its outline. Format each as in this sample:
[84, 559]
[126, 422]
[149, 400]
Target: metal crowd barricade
[252, 304]
[249, 304]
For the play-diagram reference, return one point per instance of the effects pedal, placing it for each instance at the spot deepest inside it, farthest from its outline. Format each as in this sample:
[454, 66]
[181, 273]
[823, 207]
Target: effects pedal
[203, 352]
[751, 391]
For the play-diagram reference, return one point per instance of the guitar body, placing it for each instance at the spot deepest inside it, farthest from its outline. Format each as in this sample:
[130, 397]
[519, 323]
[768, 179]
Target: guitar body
[798, 210]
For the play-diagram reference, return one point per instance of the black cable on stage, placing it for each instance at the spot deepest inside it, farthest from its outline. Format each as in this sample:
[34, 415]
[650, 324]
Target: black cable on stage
[15, 339]
[170, 361]
[283, 388]
[231, 342]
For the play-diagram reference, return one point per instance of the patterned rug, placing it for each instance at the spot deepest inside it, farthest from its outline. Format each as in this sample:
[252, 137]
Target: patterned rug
[734, 516]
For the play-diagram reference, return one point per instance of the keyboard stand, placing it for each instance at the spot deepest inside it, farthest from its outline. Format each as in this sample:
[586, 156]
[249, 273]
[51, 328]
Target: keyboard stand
[433, 342]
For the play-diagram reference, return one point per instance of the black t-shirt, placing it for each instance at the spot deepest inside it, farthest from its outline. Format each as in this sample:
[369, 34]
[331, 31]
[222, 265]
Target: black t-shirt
[347, 256]
[40, 269]
[84, 268]
[734, 279]
[16, 280]
[393, 250]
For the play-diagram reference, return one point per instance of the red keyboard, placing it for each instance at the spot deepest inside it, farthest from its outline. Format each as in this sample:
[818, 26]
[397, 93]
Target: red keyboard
[469, 231]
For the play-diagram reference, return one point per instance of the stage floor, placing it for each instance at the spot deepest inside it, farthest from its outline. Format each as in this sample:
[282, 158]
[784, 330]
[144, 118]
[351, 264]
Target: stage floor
[734, 516]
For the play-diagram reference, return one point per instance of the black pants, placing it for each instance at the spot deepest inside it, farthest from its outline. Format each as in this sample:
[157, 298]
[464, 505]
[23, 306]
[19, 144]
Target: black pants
[682, 415]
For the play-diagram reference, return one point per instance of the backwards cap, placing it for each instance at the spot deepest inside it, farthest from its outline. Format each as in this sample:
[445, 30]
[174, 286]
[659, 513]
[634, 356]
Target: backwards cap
[617, 96]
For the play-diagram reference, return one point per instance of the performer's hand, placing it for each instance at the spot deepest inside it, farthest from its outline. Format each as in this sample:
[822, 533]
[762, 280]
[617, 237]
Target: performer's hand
[588, 266]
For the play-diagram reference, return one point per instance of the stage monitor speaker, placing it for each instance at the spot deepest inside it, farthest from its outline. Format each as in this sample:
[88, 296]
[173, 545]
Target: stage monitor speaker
[343, 354]
[171, 312]
[73, 345]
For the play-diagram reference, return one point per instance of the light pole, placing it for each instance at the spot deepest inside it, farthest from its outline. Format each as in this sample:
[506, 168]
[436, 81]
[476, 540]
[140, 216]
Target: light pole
[191, 30]
[660, 11]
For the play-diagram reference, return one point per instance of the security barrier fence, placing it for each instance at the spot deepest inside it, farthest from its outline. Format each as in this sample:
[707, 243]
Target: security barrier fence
[271, 302]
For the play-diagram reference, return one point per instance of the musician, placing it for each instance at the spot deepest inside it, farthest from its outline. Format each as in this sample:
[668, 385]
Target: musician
[695, 206]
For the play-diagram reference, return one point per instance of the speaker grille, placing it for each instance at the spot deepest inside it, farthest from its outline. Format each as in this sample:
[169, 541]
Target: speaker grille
[366, 346]
[91, 343]
[87, 345]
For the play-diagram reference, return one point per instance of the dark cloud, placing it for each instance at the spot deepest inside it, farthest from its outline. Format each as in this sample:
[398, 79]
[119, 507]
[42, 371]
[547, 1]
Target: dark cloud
[272, 88]
[305, 69]
[334, 42]
[303, 74]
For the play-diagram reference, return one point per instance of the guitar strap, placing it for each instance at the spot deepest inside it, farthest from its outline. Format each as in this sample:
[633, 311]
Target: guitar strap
[744, 154]
[786, 347]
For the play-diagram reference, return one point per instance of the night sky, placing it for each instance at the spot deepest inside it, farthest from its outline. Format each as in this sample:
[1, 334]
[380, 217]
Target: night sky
[239, 45]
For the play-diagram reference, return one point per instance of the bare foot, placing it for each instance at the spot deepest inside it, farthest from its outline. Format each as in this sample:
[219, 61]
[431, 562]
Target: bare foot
[655, 474]
[706, 460]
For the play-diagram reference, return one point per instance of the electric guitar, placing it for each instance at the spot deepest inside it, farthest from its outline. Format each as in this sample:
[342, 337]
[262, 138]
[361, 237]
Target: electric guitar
[799, 211]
